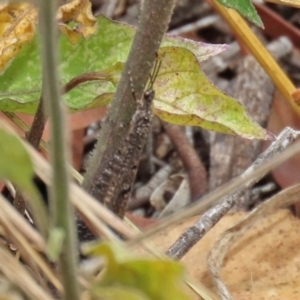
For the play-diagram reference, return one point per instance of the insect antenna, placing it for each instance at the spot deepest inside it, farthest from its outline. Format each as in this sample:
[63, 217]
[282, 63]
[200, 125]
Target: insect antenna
[155, 71]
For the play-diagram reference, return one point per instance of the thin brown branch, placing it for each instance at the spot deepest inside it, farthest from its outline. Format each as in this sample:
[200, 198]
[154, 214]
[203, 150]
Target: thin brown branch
[37, 128]
[38, 125]
[190, 159]
[86, 77]
[194, 233]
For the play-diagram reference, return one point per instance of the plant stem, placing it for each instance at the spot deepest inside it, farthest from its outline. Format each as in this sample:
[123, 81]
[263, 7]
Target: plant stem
[62, 215]
[153, 23]
[38, 125]
[34, 137]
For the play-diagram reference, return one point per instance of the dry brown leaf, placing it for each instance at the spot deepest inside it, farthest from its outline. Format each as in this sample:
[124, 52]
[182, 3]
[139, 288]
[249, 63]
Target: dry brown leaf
[263, 265]
[17, 27]
[80, 12]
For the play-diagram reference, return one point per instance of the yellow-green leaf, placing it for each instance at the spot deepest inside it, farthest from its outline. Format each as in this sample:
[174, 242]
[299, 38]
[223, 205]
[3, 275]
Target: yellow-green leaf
[245, 8]
[16, 166]
[20, 84]
[55, 242]
[156, 279]
[117, 293]
[184, 96]
[15, 162]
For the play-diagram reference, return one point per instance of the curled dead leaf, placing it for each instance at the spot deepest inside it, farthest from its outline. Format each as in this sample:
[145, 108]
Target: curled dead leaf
[17, 27]
[80, 13]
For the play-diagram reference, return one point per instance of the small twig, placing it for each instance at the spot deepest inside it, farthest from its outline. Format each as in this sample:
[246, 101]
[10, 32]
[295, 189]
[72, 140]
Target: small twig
[136, 203]
[20, 276]
[86, 77]
[108, 8]
[191, 161]
[212, 199]
[34, 137]
[143, 194]
[230, 156]
[194, 233]
[197, 25]
[38, 125]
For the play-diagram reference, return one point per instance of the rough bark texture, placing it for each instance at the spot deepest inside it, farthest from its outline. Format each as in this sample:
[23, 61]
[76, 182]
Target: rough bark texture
[230, 155]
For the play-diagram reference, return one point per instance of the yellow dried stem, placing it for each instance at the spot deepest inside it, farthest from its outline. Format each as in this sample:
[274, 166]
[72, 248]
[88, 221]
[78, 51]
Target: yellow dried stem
[242, 30]
[294, 3]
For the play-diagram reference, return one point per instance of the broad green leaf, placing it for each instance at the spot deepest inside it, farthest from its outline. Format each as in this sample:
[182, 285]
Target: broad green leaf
[20, 84]
[156, 279]
[16, 166]
[245, 8]
[184, 96]
[15, 163]
[117, 293]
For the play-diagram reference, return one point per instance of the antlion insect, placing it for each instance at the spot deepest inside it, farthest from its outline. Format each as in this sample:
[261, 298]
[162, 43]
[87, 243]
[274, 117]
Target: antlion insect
[128, 156]
[116, 181]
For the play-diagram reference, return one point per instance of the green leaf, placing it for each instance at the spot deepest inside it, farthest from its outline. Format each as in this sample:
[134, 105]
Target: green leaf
[245, 8]
[184, 96]
[156, 279]
[55, 243]
[117, 293]
[16, 166]
[106, 51]
[15, 163]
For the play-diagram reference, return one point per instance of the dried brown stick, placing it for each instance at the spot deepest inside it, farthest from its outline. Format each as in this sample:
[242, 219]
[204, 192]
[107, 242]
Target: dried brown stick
[190, 159]
[37, 128]
[38, 125]
[213, 198]
[20, 276]
[34, 137]
[194, 233]
[136, 203]
[231, 155]
[144, 193]
[196, 25]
